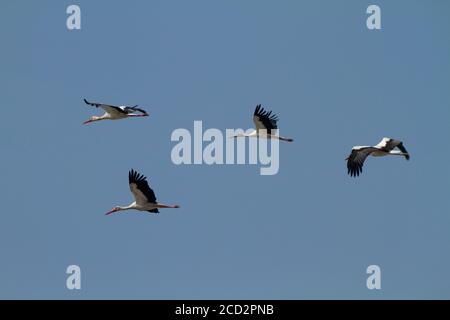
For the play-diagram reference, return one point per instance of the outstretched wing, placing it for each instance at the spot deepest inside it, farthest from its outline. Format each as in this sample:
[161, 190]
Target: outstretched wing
[140, 188]
[264, 119]
[112, 110]
[388, 144]
[355, 160]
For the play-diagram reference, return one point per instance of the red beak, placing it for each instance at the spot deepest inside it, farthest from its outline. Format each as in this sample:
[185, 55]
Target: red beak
[88, 121]
[109, 212]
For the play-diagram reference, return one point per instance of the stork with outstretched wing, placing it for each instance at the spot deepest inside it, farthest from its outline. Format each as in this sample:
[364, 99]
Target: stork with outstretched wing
[265, 122]
[359, 154]
[115, 112]
[145, 199]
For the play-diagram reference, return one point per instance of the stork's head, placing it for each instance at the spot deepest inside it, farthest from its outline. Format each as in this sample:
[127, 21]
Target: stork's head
[92, 119]
[115, 209]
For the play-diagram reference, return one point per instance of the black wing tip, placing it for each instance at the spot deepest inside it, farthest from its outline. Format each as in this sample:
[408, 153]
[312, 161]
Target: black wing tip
[91, 103]
[354, 172]
[261, 112]
[403, 149]
[134, 176]
[257, 109]
[354, 169]
[130, 175]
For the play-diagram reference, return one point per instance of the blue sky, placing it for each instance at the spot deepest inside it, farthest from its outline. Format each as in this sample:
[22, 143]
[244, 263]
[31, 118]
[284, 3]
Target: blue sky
[308, 232]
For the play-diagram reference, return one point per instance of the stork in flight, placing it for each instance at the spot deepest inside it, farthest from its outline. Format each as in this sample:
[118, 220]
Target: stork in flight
[355, 160]
[115, 112]
[145, 199]
[264, 122]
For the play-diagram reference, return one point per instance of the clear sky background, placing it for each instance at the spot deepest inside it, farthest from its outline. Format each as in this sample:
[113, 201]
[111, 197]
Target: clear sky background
[308, 232]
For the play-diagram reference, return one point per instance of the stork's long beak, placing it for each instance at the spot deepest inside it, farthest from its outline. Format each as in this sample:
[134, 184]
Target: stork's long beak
[88, 121]
[109, 212]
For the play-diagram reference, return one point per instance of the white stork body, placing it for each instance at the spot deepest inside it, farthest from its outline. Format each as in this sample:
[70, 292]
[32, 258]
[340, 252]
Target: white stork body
[115, 112]
[145, 199]
[355, 160]
[264, 122]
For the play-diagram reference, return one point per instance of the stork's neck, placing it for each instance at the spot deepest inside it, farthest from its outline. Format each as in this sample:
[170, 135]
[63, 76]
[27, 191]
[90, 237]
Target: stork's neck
[253, 133]
[105, 116]
[97, 118]
[243, 134]
[129, 207]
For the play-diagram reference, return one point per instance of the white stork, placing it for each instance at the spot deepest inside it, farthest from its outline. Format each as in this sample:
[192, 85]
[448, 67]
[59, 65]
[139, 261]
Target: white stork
[145, 199]
[355, 160]
[115, 112]
[264, 122]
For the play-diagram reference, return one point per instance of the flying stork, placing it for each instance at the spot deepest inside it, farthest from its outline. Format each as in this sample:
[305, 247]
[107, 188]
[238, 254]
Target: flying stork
[355, 160]
[145, 199]
[264, 122]
[115, 112]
